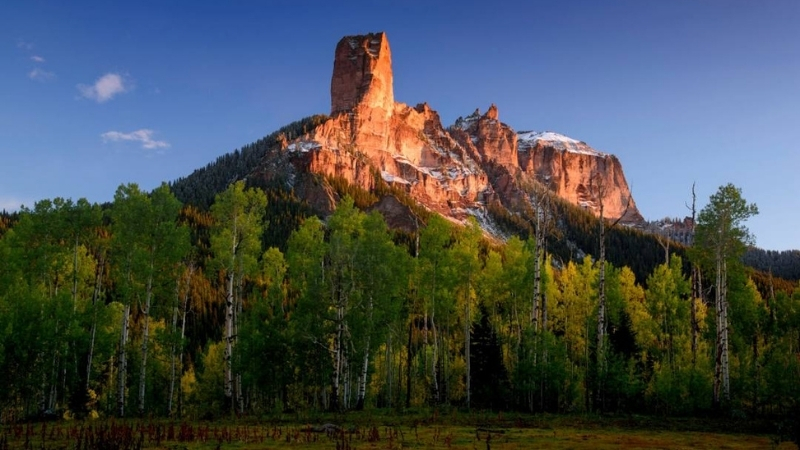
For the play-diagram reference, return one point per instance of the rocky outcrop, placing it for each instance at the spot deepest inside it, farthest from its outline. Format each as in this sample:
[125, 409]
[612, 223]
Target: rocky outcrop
[578, 173]
[455, 171]
[362, 74]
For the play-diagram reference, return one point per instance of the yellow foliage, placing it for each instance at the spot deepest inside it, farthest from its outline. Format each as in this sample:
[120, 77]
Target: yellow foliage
[188, 381]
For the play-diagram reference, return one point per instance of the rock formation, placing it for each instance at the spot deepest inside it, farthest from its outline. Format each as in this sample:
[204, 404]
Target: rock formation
[362, 74]
[455, 171]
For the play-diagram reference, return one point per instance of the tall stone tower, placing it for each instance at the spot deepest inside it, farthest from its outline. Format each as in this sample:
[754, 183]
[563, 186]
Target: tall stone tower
[362, 74]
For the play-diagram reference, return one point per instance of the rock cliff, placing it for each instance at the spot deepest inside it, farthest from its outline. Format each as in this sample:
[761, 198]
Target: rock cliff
[455, 171]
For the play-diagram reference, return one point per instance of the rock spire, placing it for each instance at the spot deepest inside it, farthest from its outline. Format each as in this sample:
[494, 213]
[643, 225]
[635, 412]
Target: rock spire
[362, 74]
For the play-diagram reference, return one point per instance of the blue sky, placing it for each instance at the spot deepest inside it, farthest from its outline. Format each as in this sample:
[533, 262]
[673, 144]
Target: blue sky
[95, 94]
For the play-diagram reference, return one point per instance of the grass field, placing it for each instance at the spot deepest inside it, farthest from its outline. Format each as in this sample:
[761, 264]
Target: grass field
[365, 431]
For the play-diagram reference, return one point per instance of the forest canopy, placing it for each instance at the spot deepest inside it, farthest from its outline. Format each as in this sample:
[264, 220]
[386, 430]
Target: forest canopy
[252, 304]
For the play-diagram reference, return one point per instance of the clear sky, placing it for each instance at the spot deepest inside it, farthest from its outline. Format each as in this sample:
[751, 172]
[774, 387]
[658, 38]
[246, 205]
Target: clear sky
[95, 94]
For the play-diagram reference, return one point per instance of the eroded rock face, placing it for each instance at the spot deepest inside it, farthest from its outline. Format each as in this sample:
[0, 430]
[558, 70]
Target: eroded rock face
[455, 171]
[362, 74]
[578, 173]
[486, 138]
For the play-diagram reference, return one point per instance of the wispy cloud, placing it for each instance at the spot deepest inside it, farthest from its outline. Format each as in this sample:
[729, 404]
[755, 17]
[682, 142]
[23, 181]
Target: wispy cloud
[21, 43]
[10, 204]
[105, 88]
[41, 75]
[37, 58]
[144, 136]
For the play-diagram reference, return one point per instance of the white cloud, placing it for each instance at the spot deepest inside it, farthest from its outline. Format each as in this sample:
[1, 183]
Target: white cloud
[10, 204]
[144, 136]
[37, 58]
[105, 88]
[24, 45]
[41, 75]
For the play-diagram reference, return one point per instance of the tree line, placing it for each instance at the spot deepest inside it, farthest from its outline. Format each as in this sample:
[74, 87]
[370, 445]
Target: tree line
[151, 308]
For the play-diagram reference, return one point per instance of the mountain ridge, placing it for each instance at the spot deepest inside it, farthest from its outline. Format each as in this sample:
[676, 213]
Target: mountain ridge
[444, 168]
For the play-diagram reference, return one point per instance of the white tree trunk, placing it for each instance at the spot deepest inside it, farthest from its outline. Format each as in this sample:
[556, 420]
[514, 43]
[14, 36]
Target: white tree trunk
[719, 319]
[172, 361]
[601, 309]
[145, 339]
[98, 282]
[123, 362]
[362, 381]
[179, 360]
[726, 382]
[229, 340]
[236, 316]
[338, 359]
[467, 341]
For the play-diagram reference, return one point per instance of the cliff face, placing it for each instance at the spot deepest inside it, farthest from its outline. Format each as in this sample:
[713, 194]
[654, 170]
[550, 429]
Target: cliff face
[362, 74]
[578, 173]
[455, 171]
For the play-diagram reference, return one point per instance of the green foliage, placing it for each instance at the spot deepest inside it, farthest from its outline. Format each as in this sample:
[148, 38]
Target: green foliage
[720, 227]
[389, 316]
[201, 187]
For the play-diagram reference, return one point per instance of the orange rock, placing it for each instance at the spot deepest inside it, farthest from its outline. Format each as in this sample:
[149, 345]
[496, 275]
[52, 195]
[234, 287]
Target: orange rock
[362, 74]
[451, 171]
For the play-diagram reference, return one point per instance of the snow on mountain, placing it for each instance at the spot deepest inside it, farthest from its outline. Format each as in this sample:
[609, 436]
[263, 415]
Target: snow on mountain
[529, 139]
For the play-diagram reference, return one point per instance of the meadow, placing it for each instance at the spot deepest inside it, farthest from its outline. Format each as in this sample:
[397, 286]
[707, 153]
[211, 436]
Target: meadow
[453, 430]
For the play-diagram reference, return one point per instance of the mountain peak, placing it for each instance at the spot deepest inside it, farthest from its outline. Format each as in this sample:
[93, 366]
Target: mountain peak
[458, 171]
[362, 73]
[491, 113]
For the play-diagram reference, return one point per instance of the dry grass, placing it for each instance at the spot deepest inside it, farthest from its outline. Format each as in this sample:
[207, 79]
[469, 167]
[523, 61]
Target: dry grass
[362, 432]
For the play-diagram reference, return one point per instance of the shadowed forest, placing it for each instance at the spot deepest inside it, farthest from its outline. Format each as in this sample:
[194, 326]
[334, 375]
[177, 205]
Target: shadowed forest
[145, 307]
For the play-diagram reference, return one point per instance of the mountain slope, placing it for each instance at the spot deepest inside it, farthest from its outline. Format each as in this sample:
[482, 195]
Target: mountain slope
[404, 162]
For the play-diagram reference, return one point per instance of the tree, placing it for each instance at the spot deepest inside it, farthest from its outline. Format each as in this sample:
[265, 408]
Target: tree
[466, 266]
[432, 261]
[150, 243]
[382, 270]
[236, 244]
[310, 325]
[720, 240]
[600, 355]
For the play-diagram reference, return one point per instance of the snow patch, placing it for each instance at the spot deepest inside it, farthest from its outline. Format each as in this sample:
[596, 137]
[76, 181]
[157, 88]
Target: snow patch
[303, 146]
[463, 123]
[389, 178]
[529, 139]
[486, 223]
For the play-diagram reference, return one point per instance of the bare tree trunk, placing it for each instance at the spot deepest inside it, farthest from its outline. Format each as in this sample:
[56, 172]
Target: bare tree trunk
[435, 362]
[98, 282]
[338, 363]
[123, 362]
[172, 361]
[720, 326]
[229, 311]
[362, 379]
[145, 338]
[601, 311]
[537, 274]
[237, 314]
[467, 342]
[179, 359]
[726, 383]
[544, 303]
[408, 363]
[229, 341]
[697, 290]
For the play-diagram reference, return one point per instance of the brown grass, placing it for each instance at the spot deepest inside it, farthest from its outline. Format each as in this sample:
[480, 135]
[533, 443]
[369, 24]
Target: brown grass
[363, 432]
